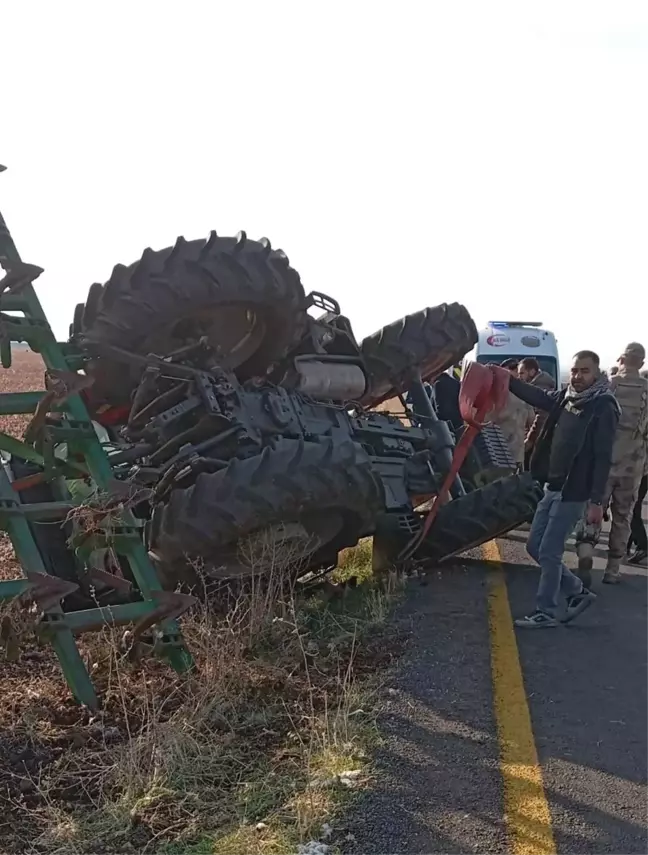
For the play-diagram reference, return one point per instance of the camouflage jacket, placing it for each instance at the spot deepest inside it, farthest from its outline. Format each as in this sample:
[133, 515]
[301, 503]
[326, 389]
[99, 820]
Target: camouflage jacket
[630, 453]
[543, 381]
[515, 420]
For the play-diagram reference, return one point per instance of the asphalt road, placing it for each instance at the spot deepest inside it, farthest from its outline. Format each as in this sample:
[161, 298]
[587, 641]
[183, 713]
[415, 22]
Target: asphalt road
[439, 778]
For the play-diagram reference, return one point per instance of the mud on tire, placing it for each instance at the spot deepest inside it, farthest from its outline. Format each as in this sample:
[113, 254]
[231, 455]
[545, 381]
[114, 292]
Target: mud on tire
[430, 340]
[313, 483]
[482, 515]
[240, 293]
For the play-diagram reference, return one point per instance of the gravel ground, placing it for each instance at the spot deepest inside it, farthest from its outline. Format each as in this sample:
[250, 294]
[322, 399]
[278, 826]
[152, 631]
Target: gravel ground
[437, 786]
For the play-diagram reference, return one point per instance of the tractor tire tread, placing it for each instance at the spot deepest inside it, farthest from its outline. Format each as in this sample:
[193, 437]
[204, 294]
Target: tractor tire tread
[482, 515]
[430, 341]
[167, 285]
[249, 495]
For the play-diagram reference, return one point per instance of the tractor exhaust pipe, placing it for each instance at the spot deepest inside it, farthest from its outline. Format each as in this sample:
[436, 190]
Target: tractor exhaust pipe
[330, 381]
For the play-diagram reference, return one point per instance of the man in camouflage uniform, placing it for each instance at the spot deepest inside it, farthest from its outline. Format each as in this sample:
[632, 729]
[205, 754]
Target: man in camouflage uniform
[515, 419]
[629, 464]
[530, 372]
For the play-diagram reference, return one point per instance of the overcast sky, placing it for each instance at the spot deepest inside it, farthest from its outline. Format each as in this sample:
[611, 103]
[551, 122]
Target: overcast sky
[401, 154]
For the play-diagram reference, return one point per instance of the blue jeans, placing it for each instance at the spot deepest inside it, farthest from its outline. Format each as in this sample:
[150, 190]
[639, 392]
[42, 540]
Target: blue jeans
[553, 522]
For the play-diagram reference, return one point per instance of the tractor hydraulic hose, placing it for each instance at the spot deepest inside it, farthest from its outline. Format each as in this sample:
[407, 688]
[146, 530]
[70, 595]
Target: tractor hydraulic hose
[139, 417]
[129, 455]
[200, 448]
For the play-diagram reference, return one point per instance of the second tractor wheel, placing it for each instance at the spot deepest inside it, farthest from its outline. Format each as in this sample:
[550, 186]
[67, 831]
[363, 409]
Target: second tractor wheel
[480, 516]
[240, 294]
[430, 341]
[291, 508]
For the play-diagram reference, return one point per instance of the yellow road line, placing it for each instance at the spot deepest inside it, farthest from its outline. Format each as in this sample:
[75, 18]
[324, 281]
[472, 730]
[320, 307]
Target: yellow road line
[526, 810]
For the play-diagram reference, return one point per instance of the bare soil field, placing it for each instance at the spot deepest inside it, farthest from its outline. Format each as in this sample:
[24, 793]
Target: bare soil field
[25, 375]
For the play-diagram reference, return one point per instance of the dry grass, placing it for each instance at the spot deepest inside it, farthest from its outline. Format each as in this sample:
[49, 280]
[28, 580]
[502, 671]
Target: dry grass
[354, 563]
[258, 735]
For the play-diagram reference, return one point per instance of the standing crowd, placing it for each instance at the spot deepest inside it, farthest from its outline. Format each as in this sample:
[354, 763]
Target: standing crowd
[588, 444]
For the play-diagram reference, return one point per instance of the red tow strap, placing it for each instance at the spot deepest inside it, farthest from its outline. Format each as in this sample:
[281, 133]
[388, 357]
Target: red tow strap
[484, 390]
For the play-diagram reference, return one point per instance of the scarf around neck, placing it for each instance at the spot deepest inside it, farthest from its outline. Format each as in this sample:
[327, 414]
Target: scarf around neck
[578, 399]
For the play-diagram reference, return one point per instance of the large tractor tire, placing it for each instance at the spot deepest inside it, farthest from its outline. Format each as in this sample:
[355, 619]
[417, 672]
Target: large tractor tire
[481, 515]
[430, 341]
[239, 293]
[302, 502]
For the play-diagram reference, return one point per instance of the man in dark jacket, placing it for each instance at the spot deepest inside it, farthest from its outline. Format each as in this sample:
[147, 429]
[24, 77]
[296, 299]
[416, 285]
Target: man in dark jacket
[638, 536]
[444, 395]
[572, 457]
[446, 392]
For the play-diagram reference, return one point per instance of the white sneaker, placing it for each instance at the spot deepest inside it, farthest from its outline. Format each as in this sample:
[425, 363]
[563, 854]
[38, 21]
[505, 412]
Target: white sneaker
[537, 620]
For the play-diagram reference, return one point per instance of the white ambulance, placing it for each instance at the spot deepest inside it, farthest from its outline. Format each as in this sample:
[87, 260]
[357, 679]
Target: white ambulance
[502, 340]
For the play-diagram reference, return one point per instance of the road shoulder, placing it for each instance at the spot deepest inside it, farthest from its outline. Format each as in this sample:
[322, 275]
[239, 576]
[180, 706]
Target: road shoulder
[437, 784]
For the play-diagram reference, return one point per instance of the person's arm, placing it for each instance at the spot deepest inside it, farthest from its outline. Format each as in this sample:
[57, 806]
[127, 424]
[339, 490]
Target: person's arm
[532, 395]
[530, 418]
[603, 444]
[535, 430]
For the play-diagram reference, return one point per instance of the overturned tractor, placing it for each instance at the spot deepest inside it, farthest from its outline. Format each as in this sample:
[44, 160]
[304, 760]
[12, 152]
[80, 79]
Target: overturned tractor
[239, 410]
[246, 415]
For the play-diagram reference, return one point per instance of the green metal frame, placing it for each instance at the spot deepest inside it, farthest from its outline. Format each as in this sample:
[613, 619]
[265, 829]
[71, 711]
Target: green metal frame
[77, 430]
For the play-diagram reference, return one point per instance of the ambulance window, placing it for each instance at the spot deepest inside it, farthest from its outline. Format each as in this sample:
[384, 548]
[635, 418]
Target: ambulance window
[547, 363]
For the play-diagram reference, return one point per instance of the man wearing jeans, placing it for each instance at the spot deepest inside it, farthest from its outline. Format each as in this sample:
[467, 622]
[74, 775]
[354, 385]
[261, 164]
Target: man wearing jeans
[572, 458]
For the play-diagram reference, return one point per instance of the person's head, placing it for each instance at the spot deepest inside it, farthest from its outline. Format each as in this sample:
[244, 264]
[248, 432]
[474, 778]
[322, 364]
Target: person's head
[528, 368]
[511, 366]
[585, 370]
[613, 370]
[633, 356]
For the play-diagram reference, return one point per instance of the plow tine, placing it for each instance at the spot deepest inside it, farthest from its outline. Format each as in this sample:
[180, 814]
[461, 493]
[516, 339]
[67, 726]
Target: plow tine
[170, 606]
[48, 591]
[117, 583]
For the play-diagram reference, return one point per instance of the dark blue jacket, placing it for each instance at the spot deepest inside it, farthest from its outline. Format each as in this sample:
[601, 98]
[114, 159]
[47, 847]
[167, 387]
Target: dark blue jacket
[590, 467]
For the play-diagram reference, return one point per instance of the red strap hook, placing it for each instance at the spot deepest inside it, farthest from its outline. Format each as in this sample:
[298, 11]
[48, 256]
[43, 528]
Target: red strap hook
[484, 391]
